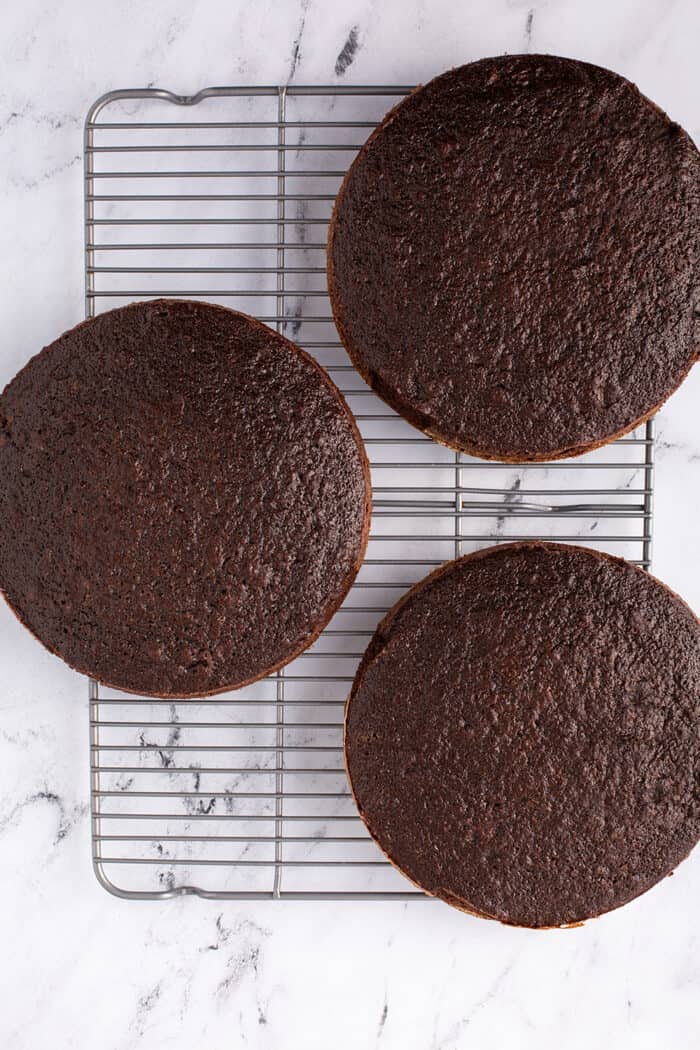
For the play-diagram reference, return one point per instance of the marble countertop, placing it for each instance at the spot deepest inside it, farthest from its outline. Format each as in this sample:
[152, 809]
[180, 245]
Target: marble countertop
[81, 968]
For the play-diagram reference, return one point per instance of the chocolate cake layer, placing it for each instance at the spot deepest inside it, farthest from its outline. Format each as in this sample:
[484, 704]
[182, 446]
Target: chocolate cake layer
[523, 733]
[514, 257]
[184, 498]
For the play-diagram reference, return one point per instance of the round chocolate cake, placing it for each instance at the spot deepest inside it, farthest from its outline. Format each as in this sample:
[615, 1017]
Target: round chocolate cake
[514, 258]
[523, 734]
[184, 498]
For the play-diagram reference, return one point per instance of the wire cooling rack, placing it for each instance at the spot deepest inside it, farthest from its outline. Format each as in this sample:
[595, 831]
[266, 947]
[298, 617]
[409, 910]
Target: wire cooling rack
[225, 196]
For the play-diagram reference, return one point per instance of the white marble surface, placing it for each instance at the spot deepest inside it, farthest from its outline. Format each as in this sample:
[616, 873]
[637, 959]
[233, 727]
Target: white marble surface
[80, 968]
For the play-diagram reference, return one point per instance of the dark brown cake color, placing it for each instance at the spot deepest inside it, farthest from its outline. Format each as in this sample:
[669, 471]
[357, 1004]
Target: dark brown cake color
[184, 498]
[523, 733]
[514, 258]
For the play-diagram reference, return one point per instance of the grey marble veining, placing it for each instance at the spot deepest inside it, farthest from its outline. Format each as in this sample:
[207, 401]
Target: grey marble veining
[81, 968]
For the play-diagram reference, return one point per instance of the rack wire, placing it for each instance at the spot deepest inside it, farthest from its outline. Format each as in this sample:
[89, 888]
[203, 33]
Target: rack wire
[225, 196]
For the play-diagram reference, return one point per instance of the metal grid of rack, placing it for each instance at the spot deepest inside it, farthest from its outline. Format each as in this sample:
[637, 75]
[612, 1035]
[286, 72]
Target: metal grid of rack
[225, 196]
